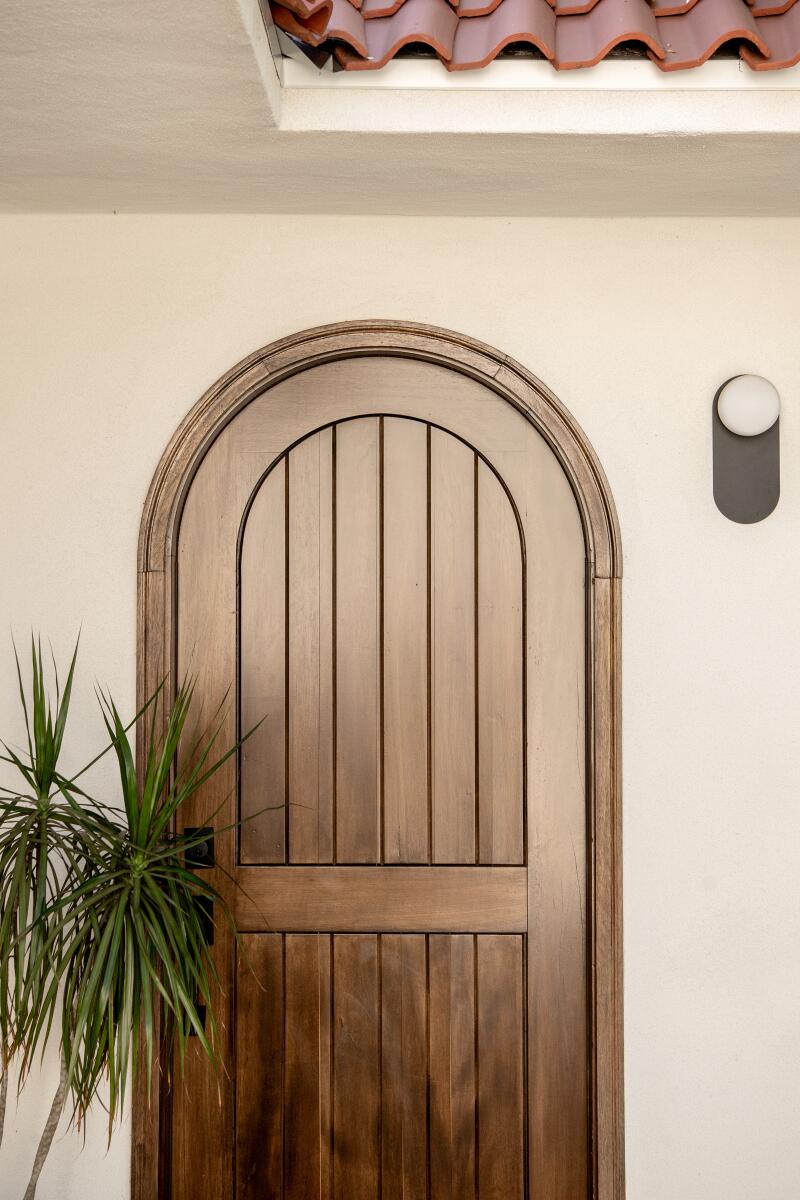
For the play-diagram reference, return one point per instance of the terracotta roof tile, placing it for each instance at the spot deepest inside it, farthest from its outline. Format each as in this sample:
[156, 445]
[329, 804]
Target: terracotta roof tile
[376, 40]
[672, 8]
[379, 8]
[565, 8]
[690, 39]
[581, 41]
[480, 40]
[770, 8]
[781, 34]
[477, 8]
[467, 34]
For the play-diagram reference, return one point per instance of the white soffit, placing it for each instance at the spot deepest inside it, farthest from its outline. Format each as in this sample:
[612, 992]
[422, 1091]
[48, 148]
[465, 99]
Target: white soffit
[108, 105]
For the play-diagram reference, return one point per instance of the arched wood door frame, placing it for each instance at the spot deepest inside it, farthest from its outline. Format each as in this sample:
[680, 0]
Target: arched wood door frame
[254, 376]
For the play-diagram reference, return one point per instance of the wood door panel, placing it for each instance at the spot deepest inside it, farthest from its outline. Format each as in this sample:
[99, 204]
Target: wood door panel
[310, 649]
[356, 1067]
[357, 668]
[259, 1092]
[405, 588]
[385, 899]
[453, 632]
[453, 1067]
[404, 1067]
[307, 1067]
[263, 648]
[500, 1055]
[386, 1067]
[391, 564]
[500, 667]
[384, 562]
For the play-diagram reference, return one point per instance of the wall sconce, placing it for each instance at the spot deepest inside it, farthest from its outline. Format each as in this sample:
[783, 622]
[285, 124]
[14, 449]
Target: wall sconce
[746, 447]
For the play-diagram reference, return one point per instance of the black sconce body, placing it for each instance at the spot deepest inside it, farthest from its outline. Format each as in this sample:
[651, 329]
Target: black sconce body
[747, 470]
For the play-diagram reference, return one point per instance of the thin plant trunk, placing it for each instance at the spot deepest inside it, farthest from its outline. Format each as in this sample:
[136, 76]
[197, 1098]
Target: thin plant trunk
[49, 1132]
[3, 1098]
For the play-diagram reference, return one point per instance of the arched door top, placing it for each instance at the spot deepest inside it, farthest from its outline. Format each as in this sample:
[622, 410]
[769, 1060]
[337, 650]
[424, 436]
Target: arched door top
[598, 613]
[260, 371]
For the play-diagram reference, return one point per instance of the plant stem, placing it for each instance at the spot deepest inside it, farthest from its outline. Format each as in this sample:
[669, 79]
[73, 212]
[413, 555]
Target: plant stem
[49, 1132]
[3, 1098]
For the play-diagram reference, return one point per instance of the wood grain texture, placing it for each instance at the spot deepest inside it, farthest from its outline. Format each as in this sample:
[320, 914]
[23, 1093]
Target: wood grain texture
[436, 390]
[453, 651]
[262, 655]
[606, 627]
[404, 1067]
[501, 1067]
[259, 1092]
[392, 899]
[453, 1068]
[501, 658]
[405, 642]
[357, 642]
[307, 1078]
[558, 999]
[309, 348]
[205, 650]
[310, 647]
[151, 1134]
[356, 1068]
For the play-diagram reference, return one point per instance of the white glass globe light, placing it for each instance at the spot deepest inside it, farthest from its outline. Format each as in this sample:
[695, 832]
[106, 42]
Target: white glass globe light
[749, 405]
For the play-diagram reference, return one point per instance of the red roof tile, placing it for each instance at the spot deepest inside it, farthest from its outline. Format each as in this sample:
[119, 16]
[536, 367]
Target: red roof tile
[480, 40]
[782, 36]
[465, 34]
[690, 39]
[581, 41]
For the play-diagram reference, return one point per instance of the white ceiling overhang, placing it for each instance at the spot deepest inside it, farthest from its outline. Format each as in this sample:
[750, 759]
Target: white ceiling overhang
[111, 106]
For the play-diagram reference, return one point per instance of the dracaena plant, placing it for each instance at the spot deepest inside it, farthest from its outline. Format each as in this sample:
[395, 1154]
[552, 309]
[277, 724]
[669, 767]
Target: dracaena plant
[101, 919]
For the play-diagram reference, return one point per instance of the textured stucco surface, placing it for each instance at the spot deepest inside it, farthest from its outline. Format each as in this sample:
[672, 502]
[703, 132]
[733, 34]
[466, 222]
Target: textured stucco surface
[112, 329]
[108, 106]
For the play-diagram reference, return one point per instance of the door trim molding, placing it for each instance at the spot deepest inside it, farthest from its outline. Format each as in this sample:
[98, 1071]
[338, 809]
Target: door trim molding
[163, 506]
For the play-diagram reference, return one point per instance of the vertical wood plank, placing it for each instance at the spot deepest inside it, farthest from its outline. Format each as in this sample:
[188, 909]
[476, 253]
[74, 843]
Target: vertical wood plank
[501, 1054]
[404, 1067]
[357, 642]
[356, 1067]
[263, 674]
[405, 641]
[203, 1136]
[559, 1038]
[452, 1066]
[151, 1108]
[453, 657]
[310, 619]
[500, 658]
[259, 1068]
[608, 978]
[307, 1072]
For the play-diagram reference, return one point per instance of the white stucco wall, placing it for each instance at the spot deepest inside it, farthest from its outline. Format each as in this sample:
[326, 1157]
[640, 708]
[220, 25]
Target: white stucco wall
[112, 327]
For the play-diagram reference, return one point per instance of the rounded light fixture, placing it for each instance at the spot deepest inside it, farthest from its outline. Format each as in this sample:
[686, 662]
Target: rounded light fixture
[748, 405]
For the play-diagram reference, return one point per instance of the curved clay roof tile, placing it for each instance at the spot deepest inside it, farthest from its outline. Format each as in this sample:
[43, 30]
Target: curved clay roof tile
[672, 8]
[480, 39]
[770, 8]
[567, 8]
[582, 41]
[311, 29]
[431, 22]
[691, 39]
[781, 35]
[677, 34]
[348, 25]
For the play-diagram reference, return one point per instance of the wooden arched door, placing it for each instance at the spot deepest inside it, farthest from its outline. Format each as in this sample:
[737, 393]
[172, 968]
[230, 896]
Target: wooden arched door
[387, 561]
